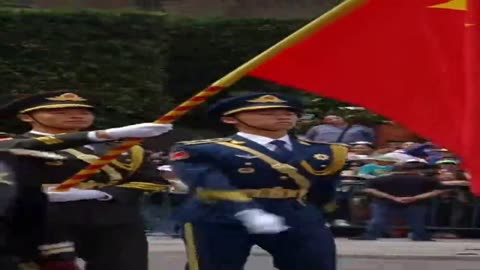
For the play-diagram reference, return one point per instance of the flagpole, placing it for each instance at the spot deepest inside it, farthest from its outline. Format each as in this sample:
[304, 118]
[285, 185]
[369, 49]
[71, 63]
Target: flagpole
[341, 10]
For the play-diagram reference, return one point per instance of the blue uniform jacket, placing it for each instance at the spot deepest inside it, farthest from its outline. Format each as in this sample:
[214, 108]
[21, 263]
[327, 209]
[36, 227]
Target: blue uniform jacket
[217, 174]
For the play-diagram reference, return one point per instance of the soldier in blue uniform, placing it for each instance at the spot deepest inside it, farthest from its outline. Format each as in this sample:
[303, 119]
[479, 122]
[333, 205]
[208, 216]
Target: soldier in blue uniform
[260, 186]
[100, 220]
[22, 202]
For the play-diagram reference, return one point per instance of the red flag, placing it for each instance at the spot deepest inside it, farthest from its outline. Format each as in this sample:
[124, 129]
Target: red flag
[470, 132]
[413, 61]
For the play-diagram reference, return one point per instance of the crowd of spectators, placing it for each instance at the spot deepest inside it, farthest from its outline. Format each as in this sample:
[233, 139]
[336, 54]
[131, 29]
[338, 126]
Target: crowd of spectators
[420, 184]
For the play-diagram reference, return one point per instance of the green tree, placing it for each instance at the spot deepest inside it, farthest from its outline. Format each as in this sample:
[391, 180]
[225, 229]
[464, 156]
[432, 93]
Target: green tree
[116, 59]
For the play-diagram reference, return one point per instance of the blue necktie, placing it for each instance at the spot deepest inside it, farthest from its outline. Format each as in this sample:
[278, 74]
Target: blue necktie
[281, 150]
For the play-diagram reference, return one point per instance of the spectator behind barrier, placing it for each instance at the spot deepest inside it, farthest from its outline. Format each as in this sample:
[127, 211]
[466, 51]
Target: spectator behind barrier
[404, 193]
[362, 148]
[379, 166]
[336, 129]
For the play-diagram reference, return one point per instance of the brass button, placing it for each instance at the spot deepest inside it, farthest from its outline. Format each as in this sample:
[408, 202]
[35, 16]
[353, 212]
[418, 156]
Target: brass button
[246, 170]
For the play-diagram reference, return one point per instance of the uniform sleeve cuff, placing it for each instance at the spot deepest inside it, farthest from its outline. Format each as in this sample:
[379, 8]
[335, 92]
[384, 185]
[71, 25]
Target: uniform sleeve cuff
[92, 135]
[107, 197]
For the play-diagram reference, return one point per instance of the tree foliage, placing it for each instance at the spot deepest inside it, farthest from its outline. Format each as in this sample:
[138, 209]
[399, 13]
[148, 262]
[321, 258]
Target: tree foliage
[136, 65]
[118, 59]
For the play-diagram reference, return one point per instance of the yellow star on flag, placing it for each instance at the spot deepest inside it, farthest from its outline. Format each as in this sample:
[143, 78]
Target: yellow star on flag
[453, 4]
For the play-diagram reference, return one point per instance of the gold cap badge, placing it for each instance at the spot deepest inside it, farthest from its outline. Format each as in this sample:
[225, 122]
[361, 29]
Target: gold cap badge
[67, 97]
[267, 99]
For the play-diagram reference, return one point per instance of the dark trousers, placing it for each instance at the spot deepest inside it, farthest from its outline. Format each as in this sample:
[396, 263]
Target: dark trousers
[8, 262]
[115, 247]
[383, 212]
[215, 246]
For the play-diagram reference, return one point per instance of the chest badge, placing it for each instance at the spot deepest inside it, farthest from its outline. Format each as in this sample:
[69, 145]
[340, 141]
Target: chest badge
[321, 157]
[246, 170]
[179, 155]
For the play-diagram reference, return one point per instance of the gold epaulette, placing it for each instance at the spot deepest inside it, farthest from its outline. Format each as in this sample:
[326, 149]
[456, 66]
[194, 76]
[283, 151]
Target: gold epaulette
[146, 186]
[6, 135]
[308, 142]
[206, 141]
[37, 154]
[340, 144]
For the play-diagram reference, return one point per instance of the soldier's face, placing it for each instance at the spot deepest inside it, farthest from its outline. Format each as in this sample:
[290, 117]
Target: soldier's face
[67, 118]
[271, 119]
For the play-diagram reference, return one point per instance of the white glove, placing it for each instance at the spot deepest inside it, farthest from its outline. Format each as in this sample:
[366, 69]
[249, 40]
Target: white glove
[74, 194]
[260, 222]
[133, 131]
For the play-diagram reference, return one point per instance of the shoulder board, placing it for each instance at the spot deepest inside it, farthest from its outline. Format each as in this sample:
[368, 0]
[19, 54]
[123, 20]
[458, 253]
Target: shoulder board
[35, 153]
[340, 144]
[4, 134]
[308, 142]
[206, 141]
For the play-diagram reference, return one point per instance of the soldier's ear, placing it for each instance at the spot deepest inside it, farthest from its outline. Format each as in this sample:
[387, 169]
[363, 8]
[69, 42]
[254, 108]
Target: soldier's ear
[25, 118]
[229, 120]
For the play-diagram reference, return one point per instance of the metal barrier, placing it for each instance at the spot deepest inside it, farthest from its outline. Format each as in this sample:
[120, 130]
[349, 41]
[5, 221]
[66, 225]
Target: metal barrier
[459, 211]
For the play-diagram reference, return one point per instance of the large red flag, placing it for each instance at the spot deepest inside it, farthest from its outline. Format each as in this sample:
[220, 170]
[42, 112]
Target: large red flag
[470, 149]
[413, 61]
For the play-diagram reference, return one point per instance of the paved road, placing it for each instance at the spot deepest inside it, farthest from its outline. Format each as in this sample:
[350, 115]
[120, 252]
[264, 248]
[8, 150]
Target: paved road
[354, 255]
[175, 262]
[391, 254]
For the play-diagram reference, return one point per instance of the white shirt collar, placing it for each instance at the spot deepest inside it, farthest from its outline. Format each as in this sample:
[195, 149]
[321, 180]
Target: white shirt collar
[262, 140]
[40, 133]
